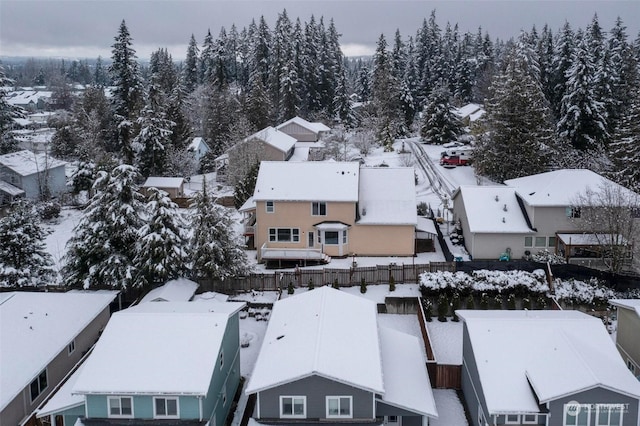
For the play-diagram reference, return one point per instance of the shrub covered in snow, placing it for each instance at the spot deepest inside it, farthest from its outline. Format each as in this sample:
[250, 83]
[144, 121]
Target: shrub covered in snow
[591, 292]
[545, 256]
[519, 282]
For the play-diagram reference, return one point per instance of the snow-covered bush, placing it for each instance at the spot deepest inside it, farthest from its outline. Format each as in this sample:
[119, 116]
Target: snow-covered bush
[485, 281]
[49, 210]
[591, 292]
[545, 256]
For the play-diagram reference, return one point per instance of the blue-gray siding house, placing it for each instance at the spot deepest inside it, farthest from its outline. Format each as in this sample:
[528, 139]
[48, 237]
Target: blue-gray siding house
[158, 363]
[553, 368]
[325, 360]
[38, 175]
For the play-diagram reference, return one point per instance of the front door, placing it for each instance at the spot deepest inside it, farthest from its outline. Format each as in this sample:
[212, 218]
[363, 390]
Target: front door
[311, 243]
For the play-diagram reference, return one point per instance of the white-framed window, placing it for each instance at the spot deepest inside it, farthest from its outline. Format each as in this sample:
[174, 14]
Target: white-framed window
[120, 406]
[166, 408]
[331, 238]
[319, 237]
[71, 347]
[284, 235]
[631, 366]
[38, 385]
[344, 236]
[293, 407]
[221, 358]
[528, 241]
[541, 241]
[269, 207]
[576, 415]
[552, 241]
[529, 419]
[609, 414]
[318, 208]
[573, 212]
[512, 419]
[339, 406]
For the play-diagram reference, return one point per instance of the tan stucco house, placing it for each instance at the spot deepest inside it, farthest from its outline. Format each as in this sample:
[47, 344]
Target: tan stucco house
[174, 186]
[309, 211]
[628, 331]
[528, 214]
[303, 130]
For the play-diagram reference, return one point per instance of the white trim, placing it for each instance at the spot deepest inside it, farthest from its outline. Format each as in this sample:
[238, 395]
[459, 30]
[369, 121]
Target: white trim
[119, 399]
[319, 204]
[582, 407]
[512, 422]
[71, 347]
[292, 234]
[166, 416]
[339, 398]
[529, 422]
[621, 407]
[266, 206]
[293, 398]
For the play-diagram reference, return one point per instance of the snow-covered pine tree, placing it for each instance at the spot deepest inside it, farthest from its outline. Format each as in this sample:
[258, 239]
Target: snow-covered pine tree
[385, 97]
[8, 112]
[439, 124]
[102, 250]
[153, 139]
[518, 125]
[161, 253]
[257, 104]
[24, 261]
[281, 53]
[583, 119]
[215, 250]
[127, 92]
[245, 187]
[560, 64]
[190, 69]
[206, 72]
[289, 99]
[625, 146]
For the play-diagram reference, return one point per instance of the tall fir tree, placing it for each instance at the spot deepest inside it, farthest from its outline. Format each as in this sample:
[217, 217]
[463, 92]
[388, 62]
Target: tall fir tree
[152, 141]
[24, 261]
[439, 123]
[8, 113]
[385, 97]
[625, 146]
[190, 69]
[561, 62]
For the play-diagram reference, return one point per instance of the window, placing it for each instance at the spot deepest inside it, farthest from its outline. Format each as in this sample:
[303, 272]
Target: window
[331, 237]
[530, 419]
[120, 406]
[552, 241]
[339, 406]
[573, 212]
[165, 407]
[293, 406]
[392, 419]
[512, 419]
[38, 385]
[609, 414]
[221, 358]
[631, 366]
[576, 415]
[318, 209]
[344, 237]
[528, 241]
[541, 241]
[270, 208]
[284, 235]
[72, 347]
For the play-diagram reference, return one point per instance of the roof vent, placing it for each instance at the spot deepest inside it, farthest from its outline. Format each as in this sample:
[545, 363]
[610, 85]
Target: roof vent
[503, 221]
[504, 207]
[364, 212]
[497, 199]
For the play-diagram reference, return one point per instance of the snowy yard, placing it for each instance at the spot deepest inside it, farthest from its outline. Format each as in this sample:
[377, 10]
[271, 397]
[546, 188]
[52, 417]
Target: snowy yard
[446, 341]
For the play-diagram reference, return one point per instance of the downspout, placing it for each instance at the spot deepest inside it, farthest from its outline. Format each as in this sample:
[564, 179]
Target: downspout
[200, 407]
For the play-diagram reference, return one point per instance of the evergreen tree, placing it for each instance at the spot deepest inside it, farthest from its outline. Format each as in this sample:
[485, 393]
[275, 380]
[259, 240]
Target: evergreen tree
[216, 252]
[289, 99]
[519, 129]
[245, 187]
[624, 76]
[363, 88]
[582, 116]
[257, 104]
[439, 124]
[151, 142]
[206, 71]
[102, 250]
[127, 90]
[100, 75]
[625, 146]
[162, 246]
[8, 112]
[24, 261]
[386, 98]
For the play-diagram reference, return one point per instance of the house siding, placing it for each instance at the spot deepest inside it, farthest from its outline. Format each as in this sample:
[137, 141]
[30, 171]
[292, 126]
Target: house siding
[315, 388]
[57, 369]
[408, 418]
[301, 134]
[595, 396]
[471, 385]
[382, 240]
[627, 340]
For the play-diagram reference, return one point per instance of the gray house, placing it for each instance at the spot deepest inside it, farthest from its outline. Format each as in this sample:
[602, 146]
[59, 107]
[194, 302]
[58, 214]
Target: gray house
[325, 360]
[553, 368]
[627, 336]
[37, 175]
[42, 337]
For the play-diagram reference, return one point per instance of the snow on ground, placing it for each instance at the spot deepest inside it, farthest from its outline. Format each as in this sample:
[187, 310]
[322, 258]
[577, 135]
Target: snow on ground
[61, 231]
[446, 341]
[406, 323]
[450, 409]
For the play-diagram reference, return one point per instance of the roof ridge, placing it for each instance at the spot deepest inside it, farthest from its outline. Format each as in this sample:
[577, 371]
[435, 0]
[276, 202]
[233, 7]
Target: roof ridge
[316, 355]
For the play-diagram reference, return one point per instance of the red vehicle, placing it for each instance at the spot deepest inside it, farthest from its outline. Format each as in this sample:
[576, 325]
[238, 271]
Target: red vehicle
[456, 157]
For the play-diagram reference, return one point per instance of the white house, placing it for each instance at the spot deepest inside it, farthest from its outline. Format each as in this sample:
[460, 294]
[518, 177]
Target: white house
[42, 336]
[35, 174]
[199, 148]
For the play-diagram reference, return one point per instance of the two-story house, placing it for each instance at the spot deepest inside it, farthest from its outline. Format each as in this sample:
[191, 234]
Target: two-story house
[309, 211]
[553, 368]
[42, 336]
[326, 360]
[38, 175]
[628, 331]
[528, 214]
[303, 130]
[172, 362]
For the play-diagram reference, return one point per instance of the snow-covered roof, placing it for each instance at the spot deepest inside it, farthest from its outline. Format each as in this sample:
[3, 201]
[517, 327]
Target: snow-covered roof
[195, 144]
[159, 348]
[527, 358]
[279, 140]
[63, 399]
[632, 304]
[426, 225]
[307, 181]
[492, 209]
[590, 239]
[163, 182]
[560, 187]
[248, 205]
[47, 322]
[23, 97]
[7, 188]
[332, 334]
[406, 382]
[467, 110]
[26, 163]
[476, 115]
[387, 196]
[198, 305]
[315, 127]
[180, 290]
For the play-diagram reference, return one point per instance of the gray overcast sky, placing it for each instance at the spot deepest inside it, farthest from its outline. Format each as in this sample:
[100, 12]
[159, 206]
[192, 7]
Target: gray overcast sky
[86, 28]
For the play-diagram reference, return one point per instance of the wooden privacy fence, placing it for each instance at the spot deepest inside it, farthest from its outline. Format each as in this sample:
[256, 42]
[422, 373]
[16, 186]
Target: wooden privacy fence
[274, 280]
